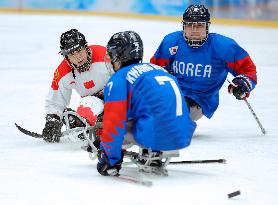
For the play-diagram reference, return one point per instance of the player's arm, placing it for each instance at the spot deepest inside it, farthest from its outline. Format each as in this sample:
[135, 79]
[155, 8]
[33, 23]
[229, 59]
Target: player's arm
[242, 67]
[162, 56]
[56, 101]
[114, 120]
[59, 94]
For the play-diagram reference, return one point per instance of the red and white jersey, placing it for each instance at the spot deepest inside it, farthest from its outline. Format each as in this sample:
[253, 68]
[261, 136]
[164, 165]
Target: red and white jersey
[85, 83]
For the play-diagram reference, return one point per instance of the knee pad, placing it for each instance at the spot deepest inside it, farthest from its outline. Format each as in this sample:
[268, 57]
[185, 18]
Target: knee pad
[196, 113]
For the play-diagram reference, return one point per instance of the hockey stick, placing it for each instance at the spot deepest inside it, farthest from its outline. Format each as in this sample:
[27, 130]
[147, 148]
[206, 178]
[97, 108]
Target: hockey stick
[255, 116]
[133, 180]
[36, 135]
[81, 129]
[115, 173]
[69, 130]
[209, 161]
[252, 111]
[133, 156]
[27, 132]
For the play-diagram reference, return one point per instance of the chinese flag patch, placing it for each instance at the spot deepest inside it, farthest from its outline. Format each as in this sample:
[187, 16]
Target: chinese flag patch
[89, 84]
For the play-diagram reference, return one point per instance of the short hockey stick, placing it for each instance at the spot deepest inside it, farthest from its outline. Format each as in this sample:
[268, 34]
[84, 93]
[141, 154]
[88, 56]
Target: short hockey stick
[255, 116]
[252, 111]
[114, 173]
[36, 135]
[134, 180]
[133, 156]
[222, 161]
[27, 132]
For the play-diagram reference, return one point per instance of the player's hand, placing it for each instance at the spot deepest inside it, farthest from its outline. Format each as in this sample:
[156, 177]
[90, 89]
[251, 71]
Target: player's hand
[52, 129]
[240, 87]
[104, 168]
[100, 94]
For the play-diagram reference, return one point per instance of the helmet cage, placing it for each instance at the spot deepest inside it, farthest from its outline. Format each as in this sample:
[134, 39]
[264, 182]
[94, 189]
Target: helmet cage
[196, 43]
[85, 66]
[193, 15]
[72, 41]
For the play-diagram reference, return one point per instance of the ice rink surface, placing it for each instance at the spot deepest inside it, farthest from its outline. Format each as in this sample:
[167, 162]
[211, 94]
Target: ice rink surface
[33, 172]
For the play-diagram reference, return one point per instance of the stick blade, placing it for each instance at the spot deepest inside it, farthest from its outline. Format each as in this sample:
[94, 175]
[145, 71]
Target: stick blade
[27, 132]
[233, 194]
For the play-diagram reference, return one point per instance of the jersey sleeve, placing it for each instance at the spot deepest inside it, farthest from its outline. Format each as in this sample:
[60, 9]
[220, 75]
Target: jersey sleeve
[98, 53]
[239, 62]
[166, 50]
[161, 56]
[59, 95]
[115, 117]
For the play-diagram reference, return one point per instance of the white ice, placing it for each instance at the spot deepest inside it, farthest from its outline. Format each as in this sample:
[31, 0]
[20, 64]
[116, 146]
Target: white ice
[33, 172]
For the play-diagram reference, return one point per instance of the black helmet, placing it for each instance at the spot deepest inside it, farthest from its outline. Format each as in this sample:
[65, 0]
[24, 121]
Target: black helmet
[196, 14]
[125, 47]
[71, 41]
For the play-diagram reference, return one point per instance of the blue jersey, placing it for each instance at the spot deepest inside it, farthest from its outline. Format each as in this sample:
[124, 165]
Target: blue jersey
[150, 96]
[202, 72]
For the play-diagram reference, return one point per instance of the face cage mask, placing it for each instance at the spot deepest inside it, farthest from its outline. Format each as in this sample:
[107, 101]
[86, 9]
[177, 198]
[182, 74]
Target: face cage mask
[86, 66]
[108, 64]
[196, 43]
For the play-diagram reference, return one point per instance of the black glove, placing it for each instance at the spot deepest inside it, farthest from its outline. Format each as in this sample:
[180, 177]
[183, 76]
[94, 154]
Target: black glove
[170, 71]
[52, 129]
[241, 88]
[73, 120]
[104, 168]
[100, 94]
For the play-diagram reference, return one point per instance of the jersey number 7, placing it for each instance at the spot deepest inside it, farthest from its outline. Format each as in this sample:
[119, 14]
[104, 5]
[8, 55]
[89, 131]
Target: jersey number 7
[161, 81]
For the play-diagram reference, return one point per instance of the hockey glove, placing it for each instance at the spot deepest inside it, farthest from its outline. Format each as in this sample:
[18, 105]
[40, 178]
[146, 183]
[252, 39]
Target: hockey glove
[73, 120]
[241, 87]
[169, 70]
[52, 129]
[100, 95]
[104, 168]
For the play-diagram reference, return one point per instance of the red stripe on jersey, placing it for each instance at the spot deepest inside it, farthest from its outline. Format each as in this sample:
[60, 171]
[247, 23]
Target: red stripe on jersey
[114, 118]
[129, 98]
[98, 53]
[159, 61]
[244, 66]
[106, 146]
[62, 70]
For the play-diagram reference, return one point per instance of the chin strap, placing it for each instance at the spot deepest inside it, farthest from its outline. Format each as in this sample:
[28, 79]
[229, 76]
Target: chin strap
[85, 67]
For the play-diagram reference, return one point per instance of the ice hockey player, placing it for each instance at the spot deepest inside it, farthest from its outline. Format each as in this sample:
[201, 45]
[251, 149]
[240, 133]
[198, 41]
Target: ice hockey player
[84, 70]
[201, 62]
[145, 94]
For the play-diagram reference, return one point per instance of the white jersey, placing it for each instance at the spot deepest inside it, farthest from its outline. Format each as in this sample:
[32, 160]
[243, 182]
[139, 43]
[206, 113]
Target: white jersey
[85, 83]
